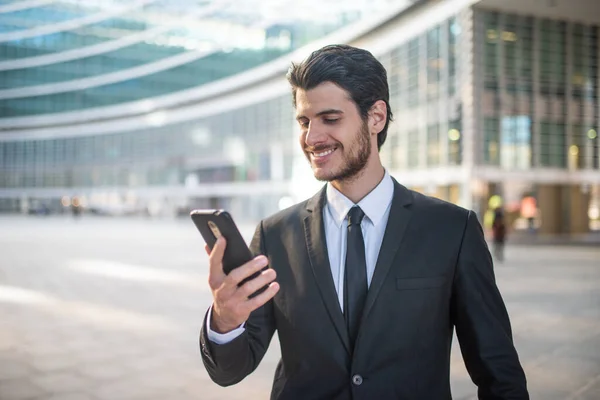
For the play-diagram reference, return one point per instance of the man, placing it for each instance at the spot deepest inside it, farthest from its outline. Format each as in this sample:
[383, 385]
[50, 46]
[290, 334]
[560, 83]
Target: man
[367, 279]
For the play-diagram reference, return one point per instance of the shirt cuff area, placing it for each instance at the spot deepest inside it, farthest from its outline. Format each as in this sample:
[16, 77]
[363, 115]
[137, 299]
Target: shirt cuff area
[222, 338]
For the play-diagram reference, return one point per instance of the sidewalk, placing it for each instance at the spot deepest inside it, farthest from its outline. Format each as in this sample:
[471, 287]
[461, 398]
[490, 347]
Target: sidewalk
[532, 239]
[110, 309]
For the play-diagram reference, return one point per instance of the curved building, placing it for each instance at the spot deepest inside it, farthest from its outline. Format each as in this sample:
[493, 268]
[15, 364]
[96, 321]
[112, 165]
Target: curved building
[169, 105]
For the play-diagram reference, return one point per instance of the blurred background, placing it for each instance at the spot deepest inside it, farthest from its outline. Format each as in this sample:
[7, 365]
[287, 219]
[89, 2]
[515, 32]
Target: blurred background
[158, 107]
[117, 118]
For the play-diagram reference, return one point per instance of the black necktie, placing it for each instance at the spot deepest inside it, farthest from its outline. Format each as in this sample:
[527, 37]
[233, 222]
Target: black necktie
[355, 276]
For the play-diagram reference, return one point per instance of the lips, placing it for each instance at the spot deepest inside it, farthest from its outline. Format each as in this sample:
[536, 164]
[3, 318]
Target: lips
[320, 151]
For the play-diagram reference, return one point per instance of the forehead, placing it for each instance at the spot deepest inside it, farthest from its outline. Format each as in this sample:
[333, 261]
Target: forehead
[327, 95]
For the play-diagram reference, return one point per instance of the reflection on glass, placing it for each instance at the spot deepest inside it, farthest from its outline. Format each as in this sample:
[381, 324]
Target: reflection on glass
[515, 149]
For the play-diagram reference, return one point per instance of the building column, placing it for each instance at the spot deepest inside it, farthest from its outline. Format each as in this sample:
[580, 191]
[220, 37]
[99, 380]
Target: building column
[564, 209]
[578, 209]
[549, 203]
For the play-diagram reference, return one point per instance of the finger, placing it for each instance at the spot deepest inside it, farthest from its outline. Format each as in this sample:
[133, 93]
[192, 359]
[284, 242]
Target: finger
[252, 266]
[207, 249]
[265, 278]
[258, 301]
[216, 261]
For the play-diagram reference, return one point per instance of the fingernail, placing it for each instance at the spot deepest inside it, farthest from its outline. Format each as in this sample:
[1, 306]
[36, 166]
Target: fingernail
[262, 260]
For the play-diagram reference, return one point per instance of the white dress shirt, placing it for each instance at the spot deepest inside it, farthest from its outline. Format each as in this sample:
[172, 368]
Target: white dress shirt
[376, 206]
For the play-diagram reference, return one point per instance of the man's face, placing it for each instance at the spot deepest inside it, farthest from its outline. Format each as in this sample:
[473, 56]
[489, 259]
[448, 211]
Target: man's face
[335, 139]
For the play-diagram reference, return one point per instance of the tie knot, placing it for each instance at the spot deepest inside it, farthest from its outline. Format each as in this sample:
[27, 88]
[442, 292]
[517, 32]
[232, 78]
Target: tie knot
[355, 216]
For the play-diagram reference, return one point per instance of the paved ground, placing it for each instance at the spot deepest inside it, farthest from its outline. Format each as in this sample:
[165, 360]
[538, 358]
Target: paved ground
[110, 309]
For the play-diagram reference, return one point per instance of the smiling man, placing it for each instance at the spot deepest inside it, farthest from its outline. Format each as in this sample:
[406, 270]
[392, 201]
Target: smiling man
[367, 279]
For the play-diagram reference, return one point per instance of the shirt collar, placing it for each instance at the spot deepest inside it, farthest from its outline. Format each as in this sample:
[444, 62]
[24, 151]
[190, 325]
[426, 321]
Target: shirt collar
[374, 204]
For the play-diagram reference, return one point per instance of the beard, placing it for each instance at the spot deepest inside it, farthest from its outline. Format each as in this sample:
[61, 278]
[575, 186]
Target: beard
[354, 158]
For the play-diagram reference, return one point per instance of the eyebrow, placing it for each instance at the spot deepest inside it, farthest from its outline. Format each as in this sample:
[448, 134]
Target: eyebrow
[324, 112]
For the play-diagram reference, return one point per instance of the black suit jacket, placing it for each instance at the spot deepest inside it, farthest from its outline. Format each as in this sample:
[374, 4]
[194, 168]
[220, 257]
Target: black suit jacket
[433, 274]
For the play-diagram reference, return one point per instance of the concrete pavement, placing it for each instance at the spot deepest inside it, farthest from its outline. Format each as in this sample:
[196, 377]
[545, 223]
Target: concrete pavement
[101, 308]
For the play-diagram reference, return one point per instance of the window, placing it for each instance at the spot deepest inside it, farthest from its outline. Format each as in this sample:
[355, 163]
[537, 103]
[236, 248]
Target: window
[515, 141]
[491, 36]
[491, 149]
[552, 56]
[517, 37]
[413, 72]
[552, 144]
[434, 63]
[433, 145]
[453, 38]
[580, 79]
[398, 152]
[413, 148]
[455, 142]
[398, 76]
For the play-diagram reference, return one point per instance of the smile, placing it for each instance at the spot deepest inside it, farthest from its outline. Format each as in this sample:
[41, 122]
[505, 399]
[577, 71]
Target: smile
[323, 153]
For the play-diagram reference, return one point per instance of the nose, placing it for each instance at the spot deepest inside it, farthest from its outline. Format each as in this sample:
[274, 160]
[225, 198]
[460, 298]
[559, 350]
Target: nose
[314, 135]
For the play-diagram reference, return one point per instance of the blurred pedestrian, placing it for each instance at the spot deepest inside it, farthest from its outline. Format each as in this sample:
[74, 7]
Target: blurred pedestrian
[76, 207]
[498, 234]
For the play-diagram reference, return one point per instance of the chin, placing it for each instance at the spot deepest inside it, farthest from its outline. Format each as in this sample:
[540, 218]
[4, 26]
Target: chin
[320, 176]
[323, 176]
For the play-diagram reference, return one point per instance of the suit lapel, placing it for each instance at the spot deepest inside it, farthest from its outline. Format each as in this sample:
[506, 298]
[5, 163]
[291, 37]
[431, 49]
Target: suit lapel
[316, 244]
[398, 220]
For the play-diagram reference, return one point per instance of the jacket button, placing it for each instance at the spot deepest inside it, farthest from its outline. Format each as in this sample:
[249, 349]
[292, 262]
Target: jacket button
[357, 380]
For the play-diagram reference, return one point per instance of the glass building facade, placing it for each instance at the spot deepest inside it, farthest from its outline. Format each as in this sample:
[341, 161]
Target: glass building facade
[547, 73]
[488, 102]
[540, 116]
[423, 78]
[132, 56]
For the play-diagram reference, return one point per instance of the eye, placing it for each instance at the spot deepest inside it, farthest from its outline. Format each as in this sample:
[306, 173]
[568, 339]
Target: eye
[303, 123]
[331, 120]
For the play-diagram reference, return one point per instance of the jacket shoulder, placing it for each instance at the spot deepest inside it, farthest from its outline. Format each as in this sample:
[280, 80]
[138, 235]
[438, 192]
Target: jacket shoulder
[285, 217]
[438, 207]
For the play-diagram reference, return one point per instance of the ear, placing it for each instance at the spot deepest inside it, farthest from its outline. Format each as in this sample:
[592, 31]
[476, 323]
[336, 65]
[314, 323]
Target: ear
[377, 117]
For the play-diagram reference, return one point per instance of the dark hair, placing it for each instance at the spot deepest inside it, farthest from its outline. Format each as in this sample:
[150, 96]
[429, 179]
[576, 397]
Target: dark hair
[354, 70]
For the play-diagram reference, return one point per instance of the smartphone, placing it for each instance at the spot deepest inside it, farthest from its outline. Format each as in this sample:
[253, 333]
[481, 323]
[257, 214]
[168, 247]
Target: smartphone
[215, 223]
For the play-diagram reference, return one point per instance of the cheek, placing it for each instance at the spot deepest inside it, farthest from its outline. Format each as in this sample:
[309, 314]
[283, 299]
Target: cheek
[302, 139]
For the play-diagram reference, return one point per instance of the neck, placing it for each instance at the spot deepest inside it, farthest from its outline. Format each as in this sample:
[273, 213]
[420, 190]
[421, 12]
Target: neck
[360, 185]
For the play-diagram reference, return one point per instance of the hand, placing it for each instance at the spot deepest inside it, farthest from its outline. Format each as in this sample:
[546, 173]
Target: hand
[231, 306]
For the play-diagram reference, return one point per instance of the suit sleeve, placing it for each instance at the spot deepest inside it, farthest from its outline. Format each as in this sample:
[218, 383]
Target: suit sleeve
[227, 364]
[482, 322]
